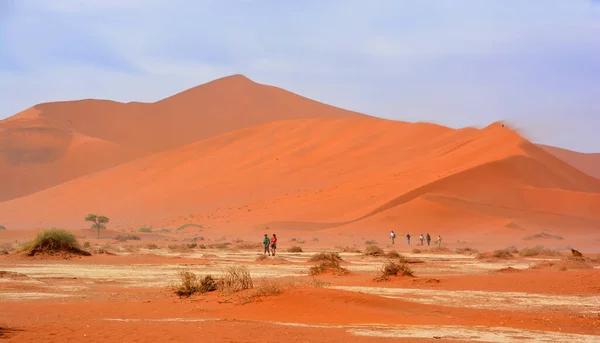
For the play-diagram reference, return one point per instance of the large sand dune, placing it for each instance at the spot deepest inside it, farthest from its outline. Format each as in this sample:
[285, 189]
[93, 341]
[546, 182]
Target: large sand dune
[587, 163]
[55, 142]
[349, 174]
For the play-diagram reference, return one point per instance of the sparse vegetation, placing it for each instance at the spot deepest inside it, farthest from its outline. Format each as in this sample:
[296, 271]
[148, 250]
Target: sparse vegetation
[294, 248]
[416, 251]
[235, 279]
[221, 246]
[189, 225]
[151, 246]
[2, 227]
[512, 249]
[189, 284]
[393, 254]
[373, 250]
[325, 256]
[439, 249]
[145, 229]
[261, 257]
[54, 241]
[249, 246]
[353, 249]
[538, 250]
[393, 268]
[192, 245]
[315, 239]
[179, 248]
[328, 266]
[467, 250]
[86, 244]
[123, 238]
[97, 222]
[293, 239]
[370, 242]
[543, 235]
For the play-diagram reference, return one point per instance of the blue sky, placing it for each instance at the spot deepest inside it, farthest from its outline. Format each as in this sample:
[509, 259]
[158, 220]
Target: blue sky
[535, 63]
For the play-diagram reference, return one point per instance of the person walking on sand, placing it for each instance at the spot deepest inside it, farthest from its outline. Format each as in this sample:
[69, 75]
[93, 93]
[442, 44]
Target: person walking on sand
[428, 240]
[408, 238]
[421, 239]
[439, 241]
[266, 243]
[273, 244]
[393, 236]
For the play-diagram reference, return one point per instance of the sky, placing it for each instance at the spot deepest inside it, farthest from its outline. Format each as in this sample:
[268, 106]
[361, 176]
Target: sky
[534, 64]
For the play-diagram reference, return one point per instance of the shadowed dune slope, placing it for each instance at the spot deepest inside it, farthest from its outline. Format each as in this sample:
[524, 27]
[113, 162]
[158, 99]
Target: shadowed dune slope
[352, 174]
[55, 142]
[587, 163]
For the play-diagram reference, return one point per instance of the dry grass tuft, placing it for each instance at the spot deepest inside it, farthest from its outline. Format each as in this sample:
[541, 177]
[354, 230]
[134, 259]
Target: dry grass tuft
[249, 246]
[393, 268]
[235, 279]
[373, 250]
[179, 248]
[325, 256]
[261, 257]
[537, 251]
[325, 266]
[467, 250]
[352, 249]
[151, 246]
[189, 284]
[294, 248]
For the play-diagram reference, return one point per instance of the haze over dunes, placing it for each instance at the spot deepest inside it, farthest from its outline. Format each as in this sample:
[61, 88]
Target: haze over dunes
[587, 163]
[236, 154]
[55, 142]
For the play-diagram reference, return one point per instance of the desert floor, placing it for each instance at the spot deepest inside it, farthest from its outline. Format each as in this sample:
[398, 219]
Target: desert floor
[124, 295]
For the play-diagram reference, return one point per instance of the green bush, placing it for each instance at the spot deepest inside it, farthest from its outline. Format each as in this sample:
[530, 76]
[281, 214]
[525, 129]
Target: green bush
[54, 241]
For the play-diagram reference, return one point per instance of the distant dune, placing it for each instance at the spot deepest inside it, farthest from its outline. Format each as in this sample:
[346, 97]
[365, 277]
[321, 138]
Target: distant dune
[346, 174]
[587, 163]
[55, 142]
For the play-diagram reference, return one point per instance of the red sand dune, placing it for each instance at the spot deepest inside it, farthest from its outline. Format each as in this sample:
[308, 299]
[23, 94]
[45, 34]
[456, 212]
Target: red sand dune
[587, 163]
[351, 174]
[55, 142]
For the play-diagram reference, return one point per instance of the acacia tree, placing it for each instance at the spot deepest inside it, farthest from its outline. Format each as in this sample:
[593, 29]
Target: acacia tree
[97, 222]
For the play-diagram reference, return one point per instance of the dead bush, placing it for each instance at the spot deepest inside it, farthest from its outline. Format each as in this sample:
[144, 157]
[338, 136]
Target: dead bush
[353, 249]
[370, 242]
[249, 246]
[373, 250]
[294, 248]
[416, 251]
[179, 248]
[151, 246]
[235, 279]
[393, 254]
[393, 268]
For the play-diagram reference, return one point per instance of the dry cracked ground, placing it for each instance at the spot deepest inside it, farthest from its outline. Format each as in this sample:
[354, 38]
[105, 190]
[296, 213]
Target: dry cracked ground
[451, 298]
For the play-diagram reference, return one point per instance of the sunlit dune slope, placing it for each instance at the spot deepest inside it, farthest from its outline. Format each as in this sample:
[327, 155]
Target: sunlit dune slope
[587, 163]
[54, 142]
[352, 173]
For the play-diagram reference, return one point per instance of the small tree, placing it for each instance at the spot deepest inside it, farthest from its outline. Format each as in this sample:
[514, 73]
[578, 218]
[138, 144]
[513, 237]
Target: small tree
[98, 222]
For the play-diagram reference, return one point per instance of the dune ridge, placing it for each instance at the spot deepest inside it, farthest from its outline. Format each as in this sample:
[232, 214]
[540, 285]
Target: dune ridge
[349, 174]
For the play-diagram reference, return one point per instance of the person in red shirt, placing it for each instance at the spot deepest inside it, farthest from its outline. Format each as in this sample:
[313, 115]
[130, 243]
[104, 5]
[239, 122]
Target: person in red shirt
[273, 244]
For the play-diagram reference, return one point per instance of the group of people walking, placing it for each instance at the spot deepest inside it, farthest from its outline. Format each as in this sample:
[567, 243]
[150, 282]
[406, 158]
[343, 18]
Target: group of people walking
[421, 239]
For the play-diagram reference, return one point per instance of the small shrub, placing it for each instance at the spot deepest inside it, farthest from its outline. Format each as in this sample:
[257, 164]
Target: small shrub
[123, 238]
[294, 248]
[393, 268]
[86, 244]
[315, 239]
[538, 250]
[178, 248]
[2, 227]
[54, 241]
[293, 239]
[467, 250]
[151, 246]
[349, 249]
[439, 249]
[190, 284]
[370, 242]
[373, 250]
[237, 240]
[235, 279]
[301, 241]
[325, 256]
[393, 254]
[512, 249]
[145, 229]
[261, 257]
[221, 246]
[502, 254]
[416, 251]
[192, 245]
[328, 265]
